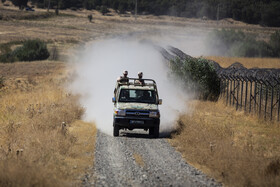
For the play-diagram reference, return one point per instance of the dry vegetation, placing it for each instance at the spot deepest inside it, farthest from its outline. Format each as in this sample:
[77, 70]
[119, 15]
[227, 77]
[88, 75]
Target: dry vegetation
[42, 140]
[247, 62]
[138, 159]
[233, 147]
[36, 148]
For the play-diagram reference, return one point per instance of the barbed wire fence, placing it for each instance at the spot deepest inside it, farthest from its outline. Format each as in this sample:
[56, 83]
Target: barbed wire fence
[255, 90]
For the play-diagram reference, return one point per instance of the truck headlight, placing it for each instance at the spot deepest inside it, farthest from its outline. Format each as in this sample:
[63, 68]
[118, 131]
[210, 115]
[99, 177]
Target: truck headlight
[155, 114]
[120, 112]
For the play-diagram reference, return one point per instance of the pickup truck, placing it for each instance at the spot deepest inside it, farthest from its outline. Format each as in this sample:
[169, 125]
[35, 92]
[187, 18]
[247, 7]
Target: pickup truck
[136, 106]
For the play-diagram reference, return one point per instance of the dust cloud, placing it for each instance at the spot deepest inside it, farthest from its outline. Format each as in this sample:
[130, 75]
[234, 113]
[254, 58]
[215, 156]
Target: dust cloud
[101, 63]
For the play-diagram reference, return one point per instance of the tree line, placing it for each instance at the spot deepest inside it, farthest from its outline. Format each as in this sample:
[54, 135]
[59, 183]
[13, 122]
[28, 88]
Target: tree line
[264, 12]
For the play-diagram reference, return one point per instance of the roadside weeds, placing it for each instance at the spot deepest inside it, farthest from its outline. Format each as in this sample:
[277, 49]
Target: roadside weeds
[229, 145]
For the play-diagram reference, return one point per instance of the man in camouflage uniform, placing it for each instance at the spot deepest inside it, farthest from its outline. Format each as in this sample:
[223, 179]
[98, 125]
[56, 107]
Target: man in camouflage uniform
[124, 78]
[140, 79]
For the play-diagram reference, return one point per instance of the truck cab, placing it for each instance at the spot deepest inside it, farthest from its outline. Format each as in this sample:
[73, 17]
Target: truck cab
[136, 106]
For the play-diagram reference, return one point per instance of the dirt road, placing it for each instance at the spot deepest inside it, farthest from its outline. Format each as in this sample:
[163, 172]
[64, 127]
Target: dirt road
[134, 159]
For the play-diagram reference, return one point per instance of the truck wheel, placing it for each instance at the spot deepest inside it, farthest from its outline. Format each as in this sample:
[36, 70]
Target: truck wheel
[151, 131]
[156, 131]
[116, 130]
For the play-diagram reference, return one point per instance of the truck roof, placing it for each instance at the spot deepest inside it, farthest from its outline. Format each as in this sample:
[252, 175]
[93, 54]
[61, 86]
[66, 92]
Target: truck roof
[146, 87]
[150, 84]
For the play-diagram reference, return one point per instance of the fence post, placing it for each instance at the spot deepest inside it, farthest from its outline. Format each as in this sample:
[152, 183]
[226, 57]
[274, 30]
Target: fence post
[230, 90]
[251, 87]
[266, 97]
[278, 104]
[242, 81]
[272, 95]
[233, 92]
[246, 94]
[260, 108]
[255, 96]
[227, 80]
[237, 103]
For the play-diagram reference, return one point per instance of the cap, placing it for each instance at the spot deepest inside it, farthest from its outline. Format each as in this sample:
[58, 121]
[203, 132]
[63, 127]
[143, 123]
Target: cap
[125, 72]
[140, 73]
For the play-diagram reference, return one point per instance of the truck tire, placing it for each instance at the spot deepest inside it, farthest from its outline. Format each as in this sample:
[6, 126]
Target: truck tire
[151, 131]
[116, 130]
[156, 131]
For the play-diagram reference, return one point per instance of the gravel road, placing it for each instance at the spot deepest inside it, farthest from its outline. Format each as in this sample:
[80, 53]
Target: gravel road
[134, 159]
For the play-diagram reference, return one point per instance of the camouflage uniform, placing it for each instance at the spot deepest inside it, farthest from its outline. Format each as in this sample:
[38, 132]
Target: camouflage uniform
[123, 79]
[140, 80]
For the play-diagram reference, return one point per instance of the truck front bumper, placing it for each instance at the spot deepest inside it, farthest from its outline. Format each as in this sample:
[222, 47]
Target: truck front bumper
[135, 123]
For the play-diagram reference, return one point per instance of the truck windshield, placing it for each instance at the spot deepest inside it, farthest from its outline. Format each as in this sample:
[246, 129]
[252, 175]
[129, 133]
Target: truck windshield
[137, 96]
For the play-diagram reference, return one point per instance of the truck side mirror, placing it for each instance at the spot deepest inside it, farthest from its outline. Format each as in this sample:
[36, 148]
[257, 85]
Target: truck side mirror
[113, 99]
[160, 101]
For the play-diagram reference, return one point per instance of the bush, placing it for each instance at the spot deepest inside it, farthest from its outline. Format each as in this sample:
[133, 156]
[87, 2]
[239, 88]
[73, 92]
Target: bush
[198, 75]
[7, 57]
[90, 18]
[31, 50]
[237, 43]
[275, 43]
[271, 14]
[104, 10]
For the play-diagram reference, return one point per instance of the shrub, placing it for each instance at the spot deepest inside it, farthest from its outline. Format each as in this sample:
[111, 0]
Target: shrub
[275, 43]
[7, 57]
[270, 14]
[31, 50]
[90, 17]
[104, 10]
[198, 75]
[237, 43]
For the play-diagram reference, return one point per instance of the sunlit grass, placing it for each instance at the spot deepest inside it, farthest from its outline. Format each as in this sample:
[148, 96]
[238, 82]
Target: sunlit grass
[236, 148]
[247, 62]
[43, 140]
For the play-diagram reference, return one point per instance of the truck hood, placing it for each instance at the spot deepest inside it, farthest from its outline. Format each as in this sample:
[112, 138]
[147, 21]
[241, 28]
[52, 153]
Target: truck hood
[137, 106]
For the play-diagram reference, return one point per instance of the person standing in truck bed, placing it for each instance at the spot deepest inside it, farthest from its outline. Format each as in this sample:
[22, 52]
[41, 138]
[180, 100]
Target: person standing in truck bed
[124, 78]
[140, 79]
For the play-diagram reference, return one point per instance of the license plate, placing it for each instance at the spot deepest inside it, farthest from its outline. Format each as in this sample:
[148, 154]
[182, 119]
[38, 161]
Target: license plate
[136, 122]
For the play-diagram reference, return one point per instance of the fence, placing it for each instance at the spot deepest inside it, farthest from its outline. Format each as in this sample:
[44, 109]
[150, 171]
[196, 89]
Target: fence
[252, 90]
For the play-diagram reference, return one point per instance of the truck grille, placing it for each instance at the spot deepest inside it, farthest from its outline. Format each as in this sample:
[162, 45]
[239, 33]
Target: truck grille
[137, 113]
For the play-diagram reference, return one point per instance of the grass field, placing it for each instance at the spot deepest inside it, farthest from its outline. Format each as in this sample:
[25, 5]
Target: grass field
[43, 141]
[233, 147]
[247, 62]
[38, 148]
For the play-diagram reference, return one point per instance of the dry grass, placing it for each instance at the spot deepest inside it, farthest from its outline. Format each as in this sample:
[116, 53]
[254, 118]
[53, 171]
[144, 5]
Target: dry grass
[10, 14]
[229, 145]
[42, 140]
[138, 159]
[247, 62]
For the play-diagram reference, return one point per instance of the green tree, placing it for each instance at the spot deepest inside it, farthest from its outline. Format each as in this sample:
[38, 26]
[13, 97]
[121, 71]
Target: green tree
[198, 75]
[275, 43]
[31, 50]
[270, 14]
[20, 3]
